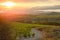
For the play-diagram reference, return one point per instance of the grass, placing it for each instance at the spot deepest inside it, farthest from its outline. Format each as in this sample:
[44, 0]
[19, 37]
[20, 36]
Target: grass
[24, 28]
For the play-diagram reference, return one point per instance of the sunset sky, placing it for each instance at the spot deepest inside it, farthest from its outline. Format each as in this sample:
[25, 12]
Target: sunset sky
[33, 3]
[30, 3]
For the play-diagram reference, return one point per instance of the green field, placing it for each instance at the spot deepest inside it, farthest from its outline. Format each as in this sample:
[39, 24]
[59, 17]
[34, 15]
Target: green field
[24, 29]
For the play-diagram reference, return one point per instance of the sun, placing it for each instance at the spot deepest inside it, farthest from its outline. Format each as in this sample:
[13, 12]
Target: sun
[8, 4]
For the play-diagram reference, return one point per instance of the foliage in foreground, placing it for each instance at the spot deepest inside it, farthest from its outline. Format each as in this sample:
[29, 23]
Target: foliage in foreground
[23, 29]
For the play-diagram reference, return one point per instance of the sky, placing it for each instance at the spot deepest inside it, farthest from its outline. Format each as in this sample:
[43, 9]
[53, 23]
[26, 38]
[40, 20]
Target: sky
[33, 3]
[26, 4]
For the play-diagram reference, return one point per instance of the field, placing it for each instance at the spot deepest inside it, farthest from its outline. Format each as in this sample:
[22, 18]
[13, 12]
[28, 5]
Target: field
[24, 29]
[47, 25]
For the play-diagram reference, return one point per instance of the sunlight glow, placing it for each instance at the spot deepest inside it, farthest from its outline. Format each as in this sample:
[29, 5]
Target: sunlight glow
[8, 4]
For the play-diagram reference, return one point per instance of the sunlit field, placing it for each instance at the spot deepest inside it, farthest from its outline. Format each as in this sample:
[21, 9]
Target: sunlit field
[49, 32]
[30, 27]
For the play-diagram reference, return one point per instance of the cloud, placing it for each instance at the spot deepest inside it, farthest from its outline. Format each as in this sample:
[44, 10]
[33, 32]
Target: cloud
[46, 7]
[36, 0]
[30, 0]
[33, 0]
[51, 7]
